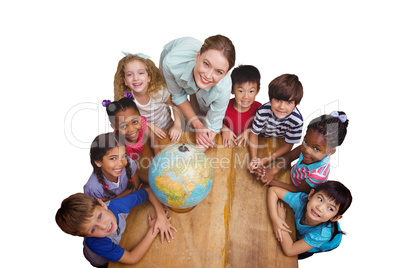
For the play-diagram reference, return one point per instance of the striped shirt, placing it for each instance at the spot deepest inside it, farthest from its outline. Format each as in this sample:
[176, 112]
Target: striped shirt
[157, 111]
[314, 174]
[267, 124]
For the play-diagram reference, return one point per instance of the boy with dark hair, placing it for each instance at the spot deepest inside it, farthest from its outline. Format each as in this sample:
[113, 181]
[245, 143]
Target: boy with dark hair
[278, 118]
[242, 108]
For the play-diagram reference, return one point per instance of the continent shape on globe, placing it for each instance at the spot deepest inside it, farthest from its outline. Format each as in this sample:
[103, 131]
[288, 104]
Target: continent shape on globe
[181, 179]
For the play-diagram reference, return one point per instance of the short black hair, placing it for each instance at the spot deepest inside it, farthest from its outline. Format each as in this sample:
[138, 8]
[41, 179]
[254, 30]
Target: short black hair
[245, 73]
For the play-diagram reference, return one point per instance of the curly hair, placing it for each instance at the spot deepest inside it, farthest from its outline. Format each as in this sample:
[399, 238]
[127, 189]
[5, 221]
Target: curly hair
[157, 81]
[121, 105]
[333, 129]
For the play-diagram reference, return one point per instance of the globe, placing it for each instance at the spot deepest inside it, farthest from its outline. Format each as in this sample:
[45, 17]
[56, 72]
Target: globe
[180, 176]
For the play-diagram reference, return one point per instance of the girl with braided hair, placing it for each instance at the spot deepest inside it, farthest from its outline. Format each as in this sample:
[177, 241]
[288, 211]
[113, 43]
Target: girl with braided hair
[323, 135]
[113, 172]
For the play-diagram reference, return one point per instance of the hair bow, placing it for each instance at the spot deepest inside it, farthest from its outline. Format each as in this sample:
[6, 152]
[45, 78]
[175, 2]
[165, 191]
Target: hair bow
[105, 103]
[128, 95]
[142, 55]
[341, 117]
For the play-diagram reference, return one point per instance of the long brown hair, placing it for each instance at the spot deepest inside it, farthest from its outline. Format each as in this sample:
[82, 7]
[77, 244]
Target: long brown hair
[99, 148]
[221, 43]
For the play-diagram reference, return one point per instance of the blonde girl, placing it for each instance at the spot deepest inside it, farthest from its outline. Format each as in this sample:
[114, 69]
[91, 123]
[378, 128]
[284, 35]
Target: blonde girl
[136, 74]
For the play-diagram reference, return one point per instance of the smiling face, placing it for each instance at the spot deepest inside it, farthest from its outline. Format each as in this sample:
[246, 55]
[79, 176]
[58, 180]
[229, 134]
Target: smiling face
[210, 67]
[244, 95]
[128, 123]
[282, 108]
[320, 209]
[101, 224]
[136, 76]
[315, 147]
[113, 163]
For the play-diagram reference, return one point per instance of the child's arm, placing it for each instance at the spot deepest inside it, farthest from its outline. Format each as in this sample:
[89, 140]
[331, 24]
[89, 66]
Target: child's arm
[287, 147]
[154, 142]
[266, 174]
[254, 161]
[278, 224]
[290, 248]
[122, 194]
[175, 131]
[227, 136]
[303, 187]
[134, 255]
[243, 137]
[157, 130]
[162, 221]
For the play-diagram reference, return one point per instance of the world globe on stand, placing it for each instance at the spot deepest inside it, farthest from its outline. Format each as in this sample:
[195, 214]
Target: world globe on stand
[181, 176]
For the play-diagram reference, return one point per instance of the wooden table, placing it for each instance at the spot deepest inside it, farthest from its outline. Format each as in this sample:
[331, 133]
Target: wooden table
[229, 228]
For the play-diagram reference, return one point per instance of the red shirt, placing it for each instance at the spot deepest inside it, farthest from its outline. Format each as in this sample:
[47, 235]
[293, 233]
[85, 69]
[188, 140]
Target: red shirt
[238, 122]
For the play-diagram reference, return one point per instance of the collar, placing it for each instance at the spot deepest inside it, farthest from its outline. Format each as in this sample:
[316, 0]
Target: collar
[188, 76]
[113, 185]
[323, 162]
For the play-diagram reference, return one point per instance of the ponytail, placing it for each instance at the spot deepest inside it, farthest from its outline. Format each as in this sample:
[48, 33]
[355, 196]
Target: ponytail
[332, 126]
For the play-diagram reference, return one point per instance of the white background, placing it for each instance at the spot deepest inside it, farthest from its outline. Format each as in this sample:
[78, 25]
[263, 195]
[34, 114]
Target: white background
[58, 61]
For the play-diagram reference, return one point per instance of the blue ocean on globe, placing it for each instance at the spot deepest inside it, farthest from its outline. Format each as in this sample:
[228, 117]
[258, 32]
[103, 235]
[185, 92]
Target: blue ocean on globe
[181, 176]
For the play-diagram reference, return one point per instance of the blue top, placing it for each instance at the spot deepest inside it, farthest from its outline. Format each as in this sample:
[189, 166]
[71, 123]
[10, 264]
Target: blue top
[316, 236]
[95, 189]
[177, 62]
[98, 251]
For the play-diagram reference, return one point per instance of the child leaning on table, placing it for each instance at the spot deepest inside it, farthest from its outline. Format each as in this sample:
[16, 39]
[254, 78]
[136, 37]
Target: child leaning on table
[114, 173]
[242, 108]
[125, 118]
[316, 218]
[278, 118]
[102, 225]
[323, 135]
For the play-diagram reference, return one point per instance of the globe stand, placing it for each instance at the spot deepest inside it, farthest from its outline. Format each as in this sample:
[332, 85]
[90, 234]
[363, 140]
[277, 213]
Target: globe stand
[183, 210]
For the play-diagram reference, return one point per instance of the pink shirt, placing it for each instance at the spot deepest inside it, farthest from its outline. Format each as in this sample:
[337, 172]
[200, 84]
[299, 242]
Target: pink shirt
[134, 150]
[314, 174]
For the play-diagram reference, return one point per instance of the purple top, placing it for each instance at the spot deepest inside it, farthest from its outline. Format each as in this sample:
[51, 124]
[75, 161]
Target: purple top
[95, 189]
